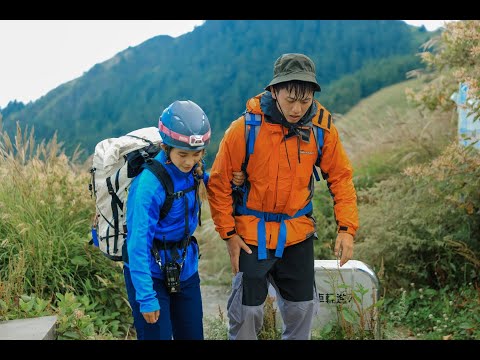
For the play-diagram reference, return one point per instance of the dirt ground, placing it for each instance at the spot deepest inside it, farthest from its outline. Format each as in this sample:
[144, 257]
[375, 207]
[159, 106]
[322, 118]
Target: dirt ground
[213, 298]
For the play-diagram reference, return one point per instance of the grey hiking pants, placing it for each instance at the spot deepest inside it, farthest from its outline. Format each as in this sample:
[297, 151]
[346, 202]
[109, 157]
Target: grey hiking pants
[292, 277]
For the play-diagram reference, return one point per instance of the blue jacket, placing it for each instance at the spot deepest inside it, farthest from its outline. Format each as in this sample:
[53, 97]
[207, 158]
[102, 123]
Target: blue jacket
[145, 199]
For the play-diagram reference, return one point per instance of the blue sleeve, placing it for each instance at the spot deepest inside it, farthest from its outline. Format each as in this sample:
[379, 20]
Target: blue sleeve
[146, 196]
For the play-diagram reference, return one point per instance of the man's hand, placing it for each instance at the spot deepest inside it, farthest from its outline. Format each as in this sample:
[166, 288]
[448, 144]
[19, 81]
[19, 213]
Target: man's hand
[151, 317]
[238, 178]
[234, 244]
[344, 247]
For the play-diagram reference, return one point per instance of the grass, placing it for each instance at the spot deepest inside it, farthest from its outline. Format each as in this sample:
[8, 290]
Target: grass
[383, 133]
[214, 264]
[46, 264]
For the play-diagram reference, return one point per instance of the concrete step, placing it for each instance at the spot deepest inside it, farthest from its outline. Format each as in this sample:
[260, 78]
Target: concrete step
[40, 328]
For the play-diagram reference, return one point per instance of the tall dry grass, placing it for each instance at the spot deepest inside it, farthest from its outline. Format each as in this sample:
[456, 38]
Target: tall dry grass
[44, 211]
[45, 215]
[214, 264]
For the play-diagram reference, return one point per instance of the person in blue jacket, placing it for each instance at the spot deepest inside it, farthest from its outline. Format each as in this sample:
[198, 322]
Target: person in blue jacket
[161, 266]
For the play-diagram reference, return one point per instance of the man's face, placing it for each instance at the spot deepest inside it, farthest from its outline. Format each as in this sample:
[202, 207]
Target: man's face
[292, 108]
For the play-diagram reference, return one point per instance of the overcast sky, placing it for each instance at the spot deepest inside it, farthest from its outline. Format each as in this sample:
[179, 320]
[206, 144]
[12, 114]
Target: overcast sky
[36, 56]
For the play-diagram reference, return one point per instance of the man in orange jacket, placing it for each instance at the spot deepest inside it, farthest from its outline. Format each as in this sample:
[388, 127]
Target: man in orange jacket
[269, 229]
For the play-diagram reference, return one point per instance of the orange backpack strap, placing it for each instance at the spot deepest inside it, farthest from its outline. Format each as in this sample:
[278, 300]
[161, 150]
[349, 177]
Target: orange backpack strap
[321, 121]
[323, 117]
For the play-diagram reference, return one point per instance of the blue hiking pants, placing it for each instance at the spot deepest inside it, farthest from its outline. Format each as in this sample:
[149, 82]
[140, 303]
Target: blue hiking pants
[181, 314]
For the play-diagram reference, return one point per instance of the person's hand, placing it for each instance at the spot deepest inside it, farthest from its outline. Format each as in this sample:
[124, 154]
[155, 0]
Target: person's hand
[234, 245]
[151, 317]
[238, 178]
[344, 247]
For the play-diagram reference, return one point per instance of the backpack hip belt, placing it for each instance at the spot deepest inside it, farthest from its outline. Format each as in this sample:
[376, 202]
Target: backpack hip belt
[271, 217]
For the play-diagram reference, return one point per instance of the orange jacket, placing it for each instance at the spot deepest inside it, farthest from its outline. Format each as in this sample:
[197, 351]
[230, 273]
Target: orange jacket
[276, 186]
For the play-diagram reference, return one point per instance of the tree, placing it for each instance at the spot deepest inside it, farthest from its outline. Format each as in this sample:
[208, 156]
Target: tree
[455, 60]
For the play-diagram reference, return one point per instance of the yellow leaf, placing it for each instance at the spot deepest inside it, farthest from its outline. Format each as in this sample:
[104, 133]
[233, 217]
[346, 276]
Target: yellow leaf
[469, 208]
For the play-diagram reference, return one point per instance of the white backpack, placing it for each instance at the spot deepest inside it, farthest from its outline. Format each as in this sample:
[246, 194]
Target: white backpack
[116, 162]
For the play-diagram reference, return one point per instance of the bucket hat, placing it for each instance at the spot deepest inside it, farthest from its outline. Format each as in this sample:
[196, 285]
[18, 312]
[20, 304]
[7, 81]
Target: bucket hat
[294, 66]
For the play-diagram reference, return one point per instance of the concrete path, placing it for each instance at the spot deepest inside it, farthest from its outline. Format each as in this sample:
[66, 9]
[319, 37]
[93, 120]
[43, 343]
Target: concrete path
[41, 328]
[213, 298]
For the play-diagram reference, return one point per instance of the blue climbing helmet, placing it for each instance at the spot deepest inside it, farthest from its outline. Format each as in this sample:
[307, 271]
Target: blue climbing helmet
[183, 124]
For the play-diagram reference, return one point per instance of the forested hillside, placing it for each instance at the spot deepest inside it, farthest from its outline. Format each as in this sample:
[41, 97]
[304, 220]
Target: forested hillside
[219, 65]
[418, 200]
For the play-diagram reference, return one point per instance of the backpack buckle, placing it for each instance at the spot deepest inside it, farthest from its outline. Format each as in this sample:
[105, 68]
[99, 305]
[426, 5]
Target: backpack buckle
[146, 156]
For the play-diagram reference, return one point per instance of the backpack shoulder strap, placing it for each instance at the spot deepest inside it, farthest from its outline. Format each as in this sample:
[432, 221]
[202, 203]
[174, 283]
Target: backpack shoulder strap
[319, 133]
[164, 177]
[321, 123]
[323, 117]
[252, 122]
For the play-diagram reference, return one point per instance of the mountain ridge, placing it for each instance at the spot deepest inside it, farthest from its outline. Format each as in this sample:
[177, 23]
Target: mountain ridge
[219, 65]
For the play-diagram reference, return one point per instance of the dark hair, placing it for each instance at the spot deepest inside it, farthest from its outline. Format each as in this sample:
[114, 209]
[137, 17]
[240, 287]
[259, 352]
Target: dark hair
[167, 149]
[301, 88]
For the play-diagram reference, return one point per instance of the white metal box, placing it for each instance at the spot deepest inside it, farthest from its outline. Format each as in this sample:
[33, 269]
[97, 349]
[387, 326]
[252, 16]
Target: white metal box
[353, 286]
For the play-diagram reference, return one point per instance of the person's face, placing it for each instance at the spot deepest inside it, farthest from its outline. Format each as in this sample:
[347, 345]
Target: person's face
[185, 160]
[292, 108]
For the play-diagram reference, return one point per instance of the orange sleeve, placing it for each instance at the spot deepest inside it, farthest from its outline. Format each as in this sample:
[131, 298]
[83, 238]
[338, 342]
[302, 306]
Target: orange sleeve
[230, 156]
[338, 173]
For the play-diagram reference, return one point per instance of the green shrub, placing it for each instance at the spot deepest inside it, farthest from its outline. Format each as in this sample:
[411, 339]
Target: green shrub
[431, 314]
[216, 328]
[45, 215]
[417, 223]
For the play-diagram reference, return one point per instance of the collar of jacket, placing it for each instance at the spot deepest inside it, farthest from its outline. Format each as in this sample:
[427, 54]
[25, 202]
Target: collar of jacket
[273, 115]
